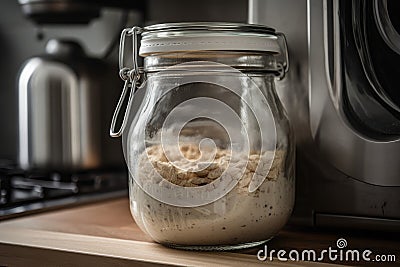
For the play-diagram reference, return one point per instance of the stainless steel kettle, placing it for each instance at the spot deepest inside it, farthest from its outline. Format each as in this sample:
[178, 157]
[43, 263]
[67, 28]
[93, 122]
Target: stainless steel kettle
[62, 101]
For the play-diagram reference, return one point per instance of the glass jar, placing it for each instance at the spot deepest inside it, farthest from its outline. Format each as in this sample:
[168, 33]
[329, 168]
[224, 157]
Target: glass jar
[210, 151]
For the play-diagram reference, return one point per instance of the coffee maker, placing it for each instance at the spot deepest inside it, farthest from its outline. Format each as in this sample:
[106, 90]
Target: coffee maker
[65, 97]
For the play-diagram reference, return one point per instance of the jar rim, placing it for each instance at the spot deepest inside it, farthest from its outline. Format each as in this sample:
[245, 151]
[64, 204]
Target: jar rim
[208, 26]
[243, 61]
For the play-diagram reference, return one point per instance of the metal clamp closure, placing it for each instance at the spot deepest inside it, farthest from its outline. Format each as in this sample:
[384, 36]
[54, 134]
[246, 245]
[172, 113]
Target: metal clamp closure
[131, 76]
[283, 64]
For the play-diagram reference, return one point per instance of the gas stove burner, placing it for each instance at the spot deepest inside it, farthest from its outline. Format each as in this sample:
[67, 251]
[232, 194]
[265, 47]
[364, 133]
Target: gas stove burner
[22, 193]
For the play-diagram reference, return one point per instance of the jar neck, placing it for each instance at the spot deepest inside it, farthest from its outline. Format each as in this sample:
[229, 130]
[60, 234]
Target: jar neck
[243, 61]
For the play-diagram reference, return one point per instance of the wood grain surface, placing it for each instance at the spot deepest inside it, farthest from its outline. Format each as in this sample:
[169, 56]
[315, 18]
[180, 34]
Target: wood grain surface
[104, 234]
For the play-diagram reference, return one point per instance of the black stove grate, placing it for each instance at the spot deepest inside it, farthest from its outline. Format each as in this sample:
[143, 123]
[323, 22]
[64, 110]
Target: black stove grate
[22, 192]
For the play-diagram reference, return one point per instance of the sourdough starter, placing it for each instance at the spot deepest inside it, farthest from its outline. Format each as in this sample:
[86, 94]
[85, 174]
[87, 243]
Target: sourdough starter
[238, 217]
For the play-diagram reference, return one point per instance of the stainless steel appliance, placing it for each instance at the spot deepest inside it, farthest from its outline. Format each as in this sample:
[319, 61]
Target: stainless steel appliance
[346, 109]
[65, 155]
[65, 100]
[62, 100]
[71, 11]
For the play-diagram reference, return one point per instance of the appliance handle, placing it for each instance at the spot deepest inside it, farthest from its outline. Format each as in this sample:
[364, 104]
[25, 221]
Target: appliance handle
[332, 50]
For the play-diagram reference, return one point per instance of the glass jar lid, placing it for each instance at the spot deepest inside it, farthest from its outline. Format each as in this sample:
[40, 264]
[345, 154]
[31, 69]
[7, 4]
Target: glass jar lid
[208, 36]
[189, 37]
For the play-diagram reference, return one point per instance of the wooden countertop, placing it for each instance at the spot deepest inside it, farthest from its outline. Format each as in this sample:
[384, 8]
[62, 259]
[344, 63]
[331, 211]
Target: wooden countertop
[104, 234]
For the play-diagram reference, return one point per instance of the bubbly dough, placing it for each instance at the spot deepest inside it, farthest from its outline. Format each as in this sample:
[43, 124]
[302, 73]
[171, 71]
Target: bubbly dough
[238, 217]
